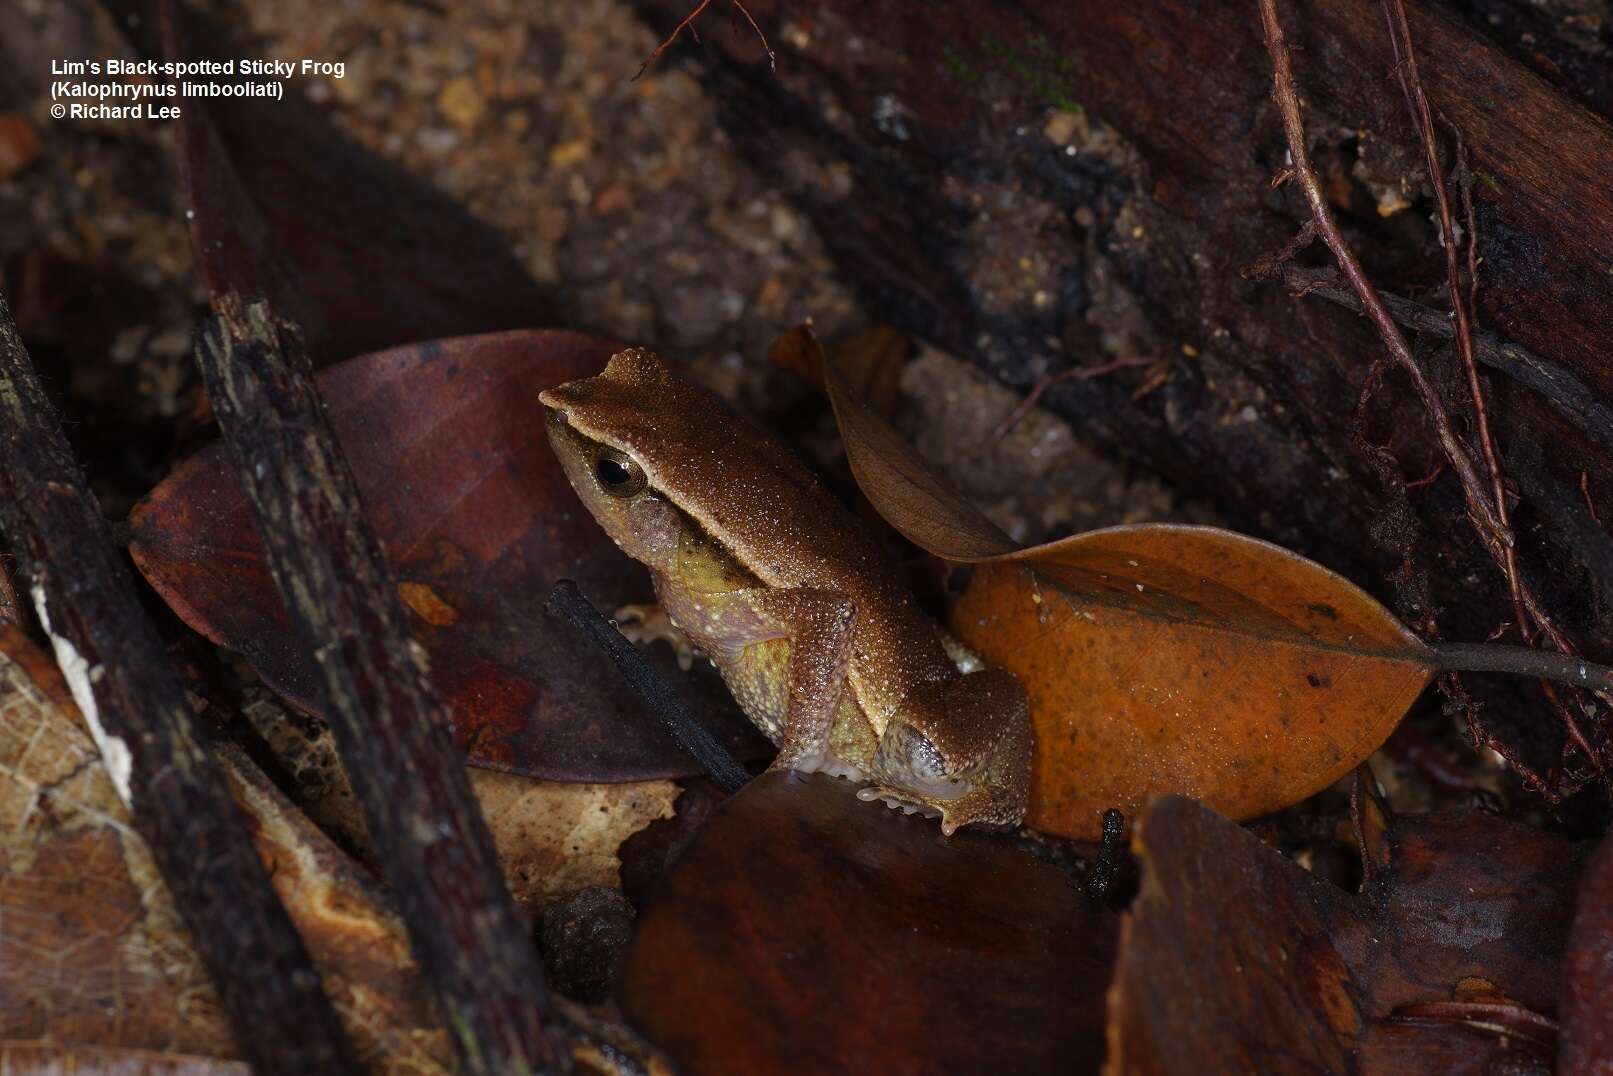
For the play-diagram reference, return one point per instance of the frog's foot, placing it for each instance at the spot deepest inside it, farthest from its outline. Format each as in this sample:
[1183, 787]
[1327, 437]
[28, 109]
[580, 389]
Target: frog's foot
[962, 749]
[835, 766]
[645, 624]
[898, 799]
[977, 804]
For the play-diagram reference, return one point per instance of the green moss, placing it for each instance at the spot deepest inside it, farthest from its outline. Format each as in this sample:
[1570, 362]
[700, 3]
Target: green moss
[1034, 65]
[1038, 67]
[955, 65]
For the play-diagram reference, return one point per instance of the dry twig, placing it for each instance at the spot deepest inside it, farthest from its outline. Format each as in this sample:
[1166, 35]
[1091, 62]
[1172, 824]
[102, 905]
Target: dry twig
[133, 702]
[687, 23]
[1422, 119]
[1080, 373]
[1485, 509]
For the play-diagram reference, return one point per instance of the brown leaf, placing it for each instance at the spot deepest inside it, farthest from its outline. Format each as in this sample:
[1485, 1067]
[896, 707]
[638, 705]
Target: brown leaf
[1196, 969]
[1236, 953]
[358, 944]
[64, 1059]
[871, 362]
[802, 932]
[1163, 658]
[446, 441]
[1158, 658]
[1587, 1042]
[553, 837]
[91, 947]
[911, 497]
[92, 951]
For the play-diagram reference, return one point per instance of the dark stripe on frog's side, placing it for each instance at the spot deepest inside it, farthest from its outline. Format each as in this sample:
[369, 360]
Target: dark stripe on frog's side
[758, 675]
[768, 512]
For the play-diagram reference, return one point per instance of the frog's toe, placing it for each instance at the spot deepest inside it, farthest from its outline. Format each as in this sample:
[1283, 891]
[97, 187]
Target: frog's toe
[646, 624]
[980, 805]
[897, 800]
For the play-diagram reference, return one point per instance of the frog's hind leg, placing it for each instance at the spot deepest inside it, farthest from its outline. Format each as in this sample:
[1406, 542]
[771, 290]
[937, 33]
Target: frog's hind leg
[818, 626]
[962, 747]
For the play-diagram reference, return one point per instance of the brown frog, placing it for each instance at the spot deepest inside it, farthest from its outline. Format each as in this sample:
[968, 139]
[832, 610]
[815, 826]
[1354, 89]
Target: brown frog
[758, 564]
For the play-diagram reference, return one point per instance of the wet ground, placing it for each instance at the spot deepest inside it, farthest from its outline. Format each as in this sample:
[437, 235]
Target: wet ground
[621, 196]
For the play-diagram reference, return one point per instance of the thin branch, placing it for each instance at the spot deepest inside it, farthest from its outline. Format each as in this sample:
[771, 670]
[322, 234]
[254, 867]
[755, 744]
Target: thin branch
[567, 601]
[1530, 778]
[1487, 517]
[391, 728]
[1423, 120]
[1569, 396]
[687, 23]
[134, 704]
[1526, 606]
[1268, 265]
[1283, 92]
[1080, 373]
[1522, 661]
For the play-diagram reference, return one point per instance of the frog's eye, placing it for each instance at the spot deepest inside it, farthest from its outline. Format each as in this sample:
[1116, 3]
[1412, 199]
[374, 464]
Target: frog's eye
[617, 473]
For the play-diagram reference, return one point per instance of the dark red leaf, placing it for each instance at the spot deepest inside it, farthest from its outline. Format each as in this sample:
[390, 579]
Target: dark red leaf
[446, 441]
[803, 932]
[1236, 953]
[1587, 1038]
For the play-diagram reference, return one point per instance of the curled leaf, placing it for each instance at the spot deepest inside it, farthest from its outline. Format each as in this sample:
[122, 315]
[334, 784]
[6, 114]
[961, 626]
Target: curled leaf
[1164, 658]
[92, 949]
[1235, 953]
[900, 485]
[1158, 658]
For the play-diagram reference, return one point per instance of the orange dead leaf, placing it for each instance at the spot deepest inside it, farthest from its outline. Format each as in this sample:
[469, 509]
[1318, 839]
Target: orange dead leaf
[424, 603]
[1158, 658]
[1165, 658]
[908, 494]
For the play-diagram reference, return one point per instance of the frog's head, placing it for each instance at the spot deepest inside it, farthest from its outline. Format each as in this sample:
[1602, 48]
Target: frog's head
[604, 431]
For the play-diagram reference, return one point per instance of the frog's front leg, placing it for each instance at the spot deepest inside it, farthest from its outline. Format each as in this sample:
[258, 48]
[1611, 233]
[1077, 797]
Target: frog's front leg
[960, 747]
[818, 626]
[648, 623]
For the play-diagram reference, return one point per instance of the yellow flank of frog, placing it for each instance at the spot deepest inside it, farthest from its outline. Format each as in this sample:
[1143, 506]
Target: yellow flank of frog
[766, 572]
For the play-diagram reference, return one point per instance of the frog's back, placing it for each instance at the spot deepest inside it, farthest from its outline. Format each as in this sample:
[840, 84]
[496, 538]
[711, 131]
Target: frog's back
[756, 500]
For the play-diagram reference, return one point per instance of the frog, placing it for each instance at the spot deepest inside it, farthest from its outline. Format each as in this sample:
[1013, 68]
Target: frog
[791, 597]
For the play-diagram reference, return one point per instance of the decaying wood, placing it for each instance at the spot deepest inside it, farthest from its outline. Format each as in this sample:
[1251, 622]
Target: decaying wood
[1486, 507]
[1571, 397]
[391, 729]
[134, 704]
[919, 139]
